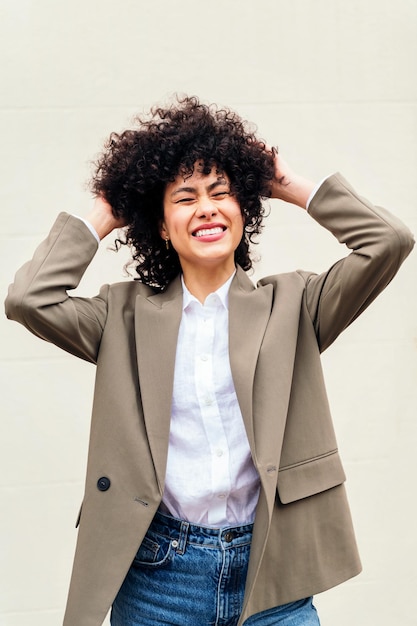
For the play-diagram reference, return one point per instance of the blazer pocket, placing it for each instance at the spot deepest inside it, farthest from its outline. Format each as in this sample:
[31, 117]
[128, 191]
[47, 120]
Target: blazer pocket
[308, 478]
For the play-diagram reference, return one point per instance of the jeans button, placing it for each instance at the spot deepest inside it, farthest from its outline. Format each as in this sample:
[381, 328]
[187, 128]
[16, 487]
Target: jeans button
[228, 537]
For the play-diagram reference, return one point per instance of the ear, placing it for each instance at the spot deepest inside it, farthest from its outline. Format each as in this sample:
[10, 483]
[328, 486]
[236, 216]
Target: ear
[163, 230]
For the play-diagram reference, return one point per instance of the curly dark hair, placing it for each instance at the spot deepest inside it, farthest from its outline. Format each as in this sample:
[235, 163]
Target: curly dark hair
[136, 165]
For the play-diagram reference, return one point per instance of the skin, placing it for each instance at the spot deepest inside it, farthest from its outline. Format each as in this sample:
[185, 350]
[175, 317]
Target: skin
[204, 223]
[196, 205]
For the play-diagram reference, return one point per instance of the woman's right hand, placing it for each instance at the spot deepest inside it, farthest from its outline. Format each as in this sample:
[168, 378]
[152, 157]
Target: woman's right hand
[102, 219]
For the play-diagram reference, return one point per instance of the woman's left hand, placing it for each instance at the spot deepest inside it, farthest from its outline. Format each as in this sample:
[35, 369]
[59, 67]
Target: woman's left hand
[289, 186]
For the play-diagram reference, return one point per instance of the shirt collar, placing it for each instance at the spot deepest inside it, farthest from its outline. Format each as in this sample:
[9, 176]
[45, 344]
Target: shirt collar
[222, 293]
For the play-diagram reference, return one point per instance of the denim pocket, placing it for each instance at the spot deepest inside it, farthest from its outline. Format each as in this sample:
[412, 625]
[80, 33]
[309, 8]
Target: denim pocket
[154, 552]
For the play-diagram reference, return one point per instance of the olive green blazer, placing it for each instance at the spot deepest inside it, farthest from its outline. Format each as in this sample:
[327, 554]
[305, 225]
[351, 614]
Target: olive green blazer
[303, 539]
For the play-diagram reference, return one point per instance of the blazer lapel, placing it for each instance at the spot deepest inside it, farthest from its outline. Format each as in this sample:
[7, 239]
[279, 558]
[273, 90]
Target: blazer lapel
[249, 312]
[157, 320]
[263, 339]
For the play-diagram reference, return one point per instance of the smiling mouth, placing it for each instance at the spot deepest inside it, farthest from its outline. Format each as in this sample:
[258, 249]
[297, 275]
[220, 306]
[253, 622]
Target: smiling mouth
[204, 232]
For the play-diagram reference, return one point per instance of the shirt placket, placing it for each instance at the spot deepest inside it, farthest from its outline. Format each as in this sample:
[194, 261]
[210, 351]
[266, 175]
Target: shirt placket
[210, 414]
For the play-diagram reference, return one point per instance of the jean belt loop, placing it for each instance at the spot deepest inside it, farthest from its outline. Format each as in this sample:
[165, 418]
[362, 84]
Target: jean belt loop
[182, 539]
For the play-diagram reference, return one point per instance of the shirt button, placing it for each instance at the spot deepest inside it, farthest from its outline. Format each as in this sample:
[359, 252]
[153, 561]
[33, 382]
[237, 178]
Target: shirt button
[208, 401]
[204, 357]
[219, 452]
[221, 496]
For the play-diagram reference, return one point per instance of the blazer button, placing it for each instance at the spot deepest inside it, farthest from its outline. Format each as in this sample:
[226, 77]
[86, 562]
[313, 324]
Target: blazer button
[103, 483]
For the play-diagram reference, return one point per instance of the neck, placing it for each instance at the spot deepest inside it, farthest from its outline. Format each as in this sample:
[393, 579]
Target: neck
[200, 284]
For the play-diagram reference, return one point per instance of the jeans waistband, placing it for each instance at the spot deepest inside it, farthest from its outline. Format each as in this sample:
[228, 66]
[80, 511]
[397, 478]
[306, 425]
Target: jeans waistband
[184, 532]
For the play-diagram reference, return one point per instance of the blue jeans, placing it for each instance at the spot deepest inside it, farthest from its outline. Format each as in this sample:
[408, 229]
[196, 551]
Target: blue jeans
[188, 575]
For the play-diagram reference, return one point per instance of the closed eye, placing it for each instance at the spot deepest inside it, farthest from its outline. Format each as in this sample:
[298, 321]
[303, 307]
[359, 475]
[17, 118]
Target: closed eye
[184, 200]
[221, 194]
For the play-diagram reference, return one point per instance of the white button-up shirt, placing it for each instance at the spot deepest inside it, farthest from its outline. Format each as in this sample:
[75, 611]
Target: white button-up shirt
[210, 478]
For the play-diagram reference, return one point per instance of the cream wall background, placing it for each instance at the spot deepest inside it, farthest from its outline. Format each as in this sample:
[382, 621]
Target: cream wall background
[333, 83]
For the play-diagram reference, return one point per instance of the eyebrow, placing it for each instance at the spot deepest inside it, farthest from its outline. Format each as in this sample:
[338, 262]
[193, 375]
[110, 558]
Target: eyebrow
[217, 183]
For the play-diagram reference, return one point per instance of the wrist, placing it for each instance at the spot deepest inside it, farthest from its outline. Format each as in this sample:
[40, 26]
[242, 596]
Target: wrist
[102, 224]
[298, 191]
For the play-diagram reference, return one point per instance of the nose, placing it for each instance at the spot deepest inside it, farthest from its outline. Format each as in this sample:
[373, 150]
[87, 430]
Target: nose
[206, 208]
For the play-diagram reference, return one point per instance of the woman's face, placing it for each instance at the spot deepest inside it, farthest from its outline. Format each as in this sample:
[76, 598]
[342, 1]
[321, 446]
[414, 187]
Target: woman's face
[203, 220]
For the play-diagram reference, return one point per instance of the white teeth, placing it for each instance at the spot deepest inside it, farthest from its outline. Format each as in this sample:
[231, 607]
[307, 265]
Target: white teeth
[208, 231]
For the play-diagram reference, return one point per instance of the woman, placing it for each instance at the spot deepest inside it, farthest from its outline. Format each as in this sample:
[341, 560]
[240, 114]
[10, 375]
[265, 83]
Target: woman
[214, 490]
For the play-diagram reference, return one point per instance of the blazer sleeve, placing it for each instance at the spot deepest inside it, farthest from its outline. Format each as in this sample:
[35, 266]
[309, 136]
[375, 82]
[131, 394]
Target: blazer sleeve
[379, 243]
[39, 299]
